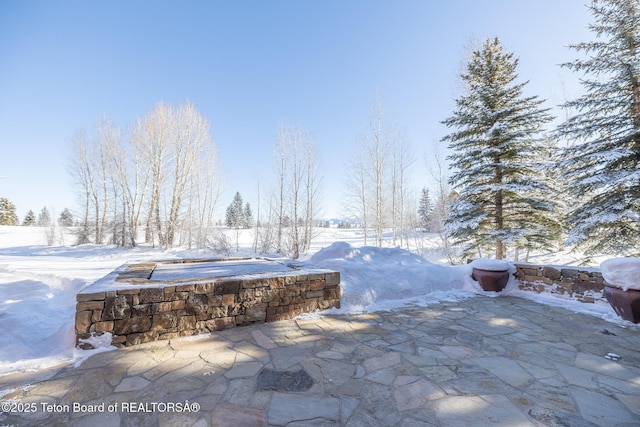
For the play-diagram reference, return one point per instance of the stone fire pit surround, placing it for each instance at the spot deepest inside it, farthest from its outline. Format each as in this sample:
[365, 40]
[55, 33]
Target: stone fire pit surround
[199, 296]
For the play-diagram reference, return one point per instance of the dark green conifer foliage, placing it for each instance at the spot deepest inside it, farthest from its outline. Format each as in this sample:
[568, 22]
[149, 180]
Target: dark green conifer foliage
[497, 159]
[29, 219]
[602, 162]
[7, 212]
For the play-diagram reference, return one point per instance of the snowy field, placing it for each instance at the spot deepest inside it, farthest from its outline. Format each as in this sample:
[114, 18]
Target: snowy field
[38, 285]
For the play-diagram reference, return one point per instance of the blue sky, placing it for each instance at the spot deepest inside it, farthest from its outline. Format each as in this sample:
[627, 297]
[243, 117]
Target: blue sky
[249, 66]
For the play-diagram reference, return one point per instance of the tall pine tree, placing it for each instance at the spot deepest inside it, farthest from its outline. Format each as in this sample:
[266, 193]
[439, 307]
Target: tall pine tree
[497, 147]
[66, 218]
[603, 159]
[44, 218]
[29, 219]
[7, 212]
[247, 216]
[425, 210]
[235, 217]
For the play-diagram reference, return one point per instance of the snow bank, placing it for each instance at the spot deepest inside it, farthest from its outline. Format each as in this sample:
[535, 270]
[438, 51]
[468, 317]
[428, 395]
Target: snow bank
[374, 278]
[37, 304]
[622, 272]
[38, 287]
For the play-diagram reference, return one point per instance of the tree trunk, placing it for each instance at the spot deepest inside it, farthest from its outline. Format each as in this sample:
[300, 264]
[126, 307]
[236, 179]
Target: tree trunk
[499, 219]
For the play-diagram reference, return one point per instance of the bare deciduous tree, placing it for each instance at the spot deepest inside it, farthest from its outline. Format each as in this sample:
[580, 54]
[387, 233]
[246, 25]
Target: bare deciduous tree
[297, 181]
[401, 161]
[377, 152]
[167, 170]
[376, 184]
[356, 194]
[80, 169]
[442, 205]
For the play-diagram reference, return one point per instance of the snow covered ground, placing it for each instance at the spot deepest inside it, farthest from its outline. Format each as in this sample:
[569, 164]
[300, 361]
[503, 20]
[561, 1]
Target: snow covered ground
[38, 285]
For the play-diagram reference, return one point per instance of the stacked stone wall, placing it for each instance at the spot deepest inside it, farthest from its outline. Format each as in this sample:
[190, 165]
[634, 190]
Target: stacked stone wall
[586, 283]
[144, 314]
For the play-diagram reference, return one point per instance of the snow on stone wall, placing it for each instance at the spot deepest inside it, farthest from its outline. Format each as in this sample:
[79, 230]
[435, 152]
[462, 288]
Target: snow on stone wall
[138, 314]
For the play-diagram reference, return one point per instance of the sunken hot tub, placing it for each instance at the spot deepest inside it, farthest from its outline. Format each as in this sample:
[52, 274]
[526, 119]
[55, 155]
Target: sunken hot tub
[151, 301]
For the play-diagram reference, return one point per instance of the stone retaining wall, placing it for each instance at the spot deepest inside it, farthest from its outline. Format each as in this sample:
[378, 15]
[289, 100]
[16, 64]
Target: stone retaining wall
[143, 314]
[574, 281]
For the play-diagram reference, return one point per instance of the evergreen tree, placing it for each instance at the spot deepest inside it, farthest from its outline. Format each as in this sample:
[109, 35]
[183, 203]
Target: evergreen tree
[234, 217]
[66, 218]
[44, 218]
[545, 228]
[497, 150]
[7, 212]
[248, 216]
[425, 210]
[29, 219]
[603, 159]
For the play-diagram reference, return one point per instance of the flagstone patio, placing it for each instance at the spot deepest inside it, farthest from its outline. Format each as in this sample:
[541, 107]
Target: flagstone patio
[481, 361]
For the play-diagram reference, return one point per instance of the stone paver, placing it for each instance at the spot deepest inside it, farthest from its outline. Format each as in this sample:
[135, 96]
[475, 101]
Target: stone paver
[481, 362]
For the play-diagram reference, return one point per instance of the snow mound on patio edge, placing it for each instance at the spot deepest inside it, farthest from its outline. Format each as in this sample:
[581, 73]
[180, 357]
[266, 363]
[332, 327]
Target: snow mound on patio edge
[374, 278]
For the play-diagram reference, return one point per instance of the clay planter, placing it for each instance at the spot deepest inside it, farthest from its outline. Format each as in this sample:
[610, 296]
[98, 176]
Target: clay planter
[622, 286]
[491, 280]
[625, 303]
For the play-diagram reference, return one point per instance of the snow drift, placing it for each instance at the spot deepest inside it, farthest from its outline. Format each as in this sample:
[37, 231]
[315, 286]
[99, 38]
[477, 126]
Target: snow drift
[373, 278]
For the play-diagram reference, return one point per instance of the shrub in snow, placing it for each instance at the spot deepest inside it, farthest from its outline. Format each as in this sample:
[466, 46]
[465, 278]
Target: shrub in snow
[219, 243]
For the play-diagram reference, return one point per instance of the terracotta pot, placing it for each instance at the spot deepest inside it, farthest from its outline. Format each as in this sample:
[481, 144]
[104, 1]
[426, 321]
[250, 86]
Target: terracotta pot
[625, 303]
[491, 280]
